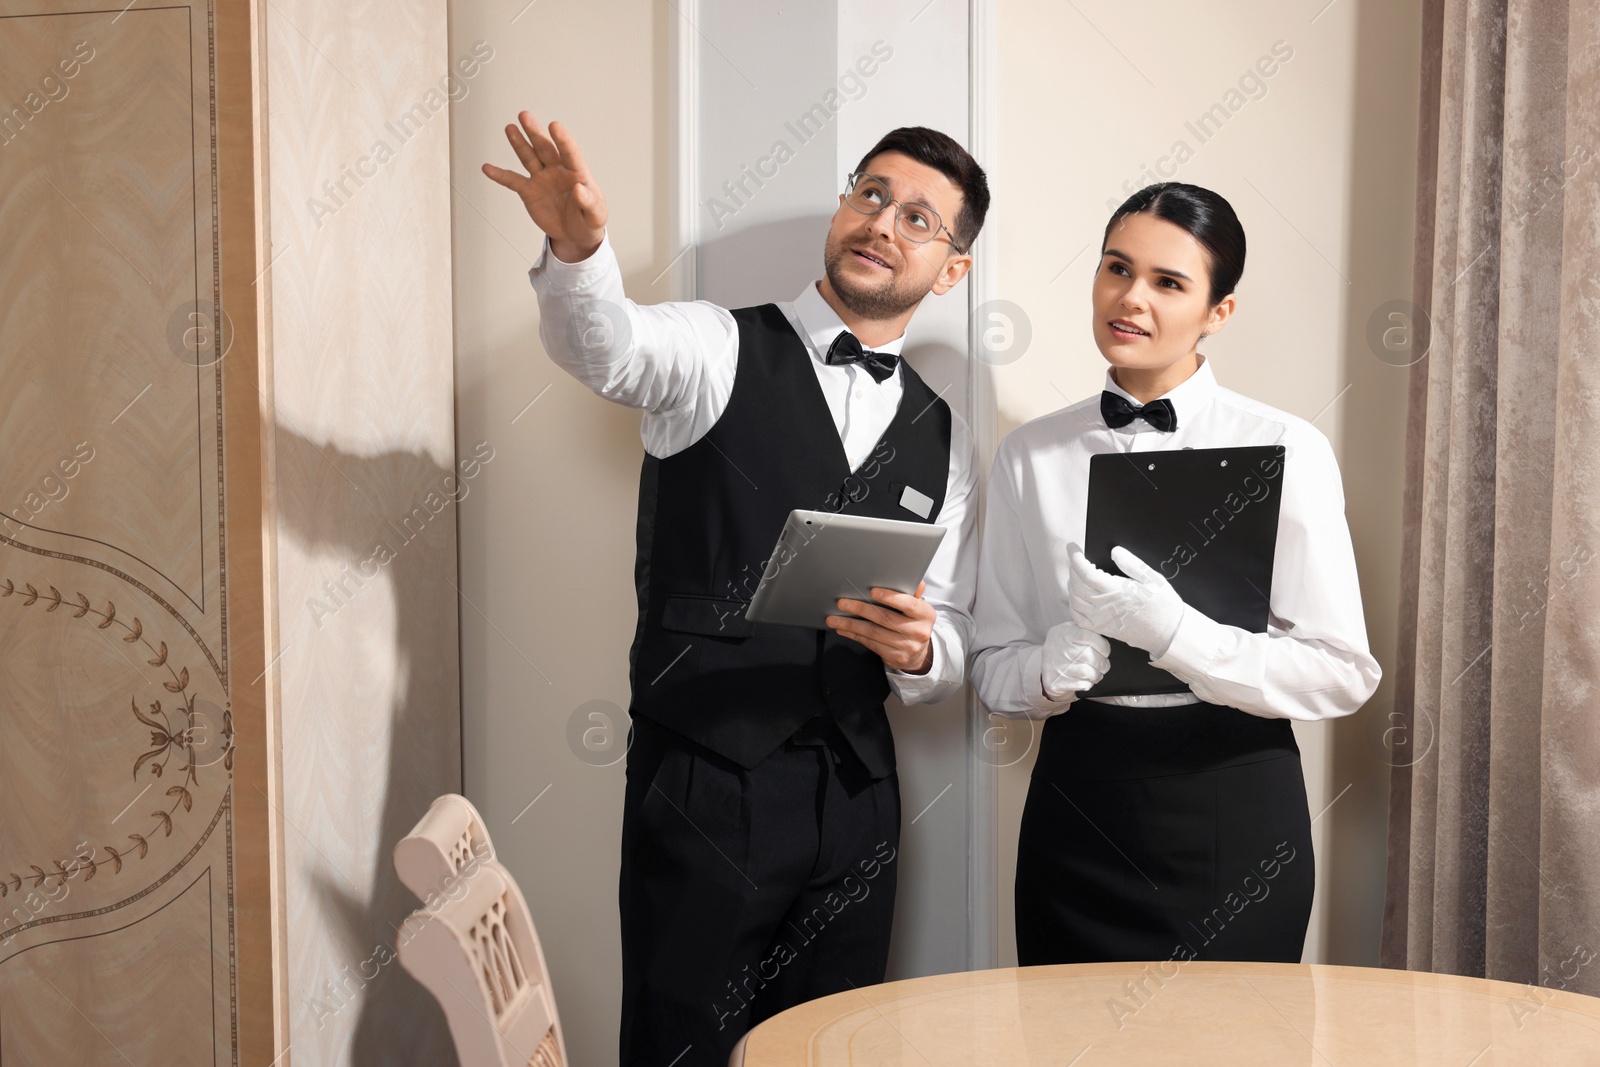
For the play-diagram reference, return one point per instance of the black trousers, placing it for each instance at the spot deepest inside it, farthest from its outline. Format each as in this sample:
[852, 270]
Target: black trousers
[1164, 834]
[745, 892]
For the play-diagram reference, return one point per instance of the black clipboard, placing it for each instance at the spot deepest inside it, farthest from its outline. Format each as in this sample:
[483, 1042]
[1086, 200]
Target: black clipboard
[1206, 518]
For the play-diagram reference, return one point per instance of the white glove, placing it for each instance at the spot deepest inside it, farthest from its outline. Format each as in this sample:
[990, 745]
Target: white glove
[1142, 610]
[1073, 660]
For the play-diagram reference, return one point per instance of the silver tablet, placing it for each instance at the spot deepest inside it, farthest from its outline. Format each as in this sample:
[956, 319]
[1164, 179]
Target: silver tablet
[822, 556]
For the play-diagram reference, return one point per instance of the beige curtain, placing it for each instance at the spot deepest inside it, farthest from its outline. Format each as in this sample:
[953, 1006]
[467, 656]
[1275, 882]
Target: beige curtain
[1494, 839]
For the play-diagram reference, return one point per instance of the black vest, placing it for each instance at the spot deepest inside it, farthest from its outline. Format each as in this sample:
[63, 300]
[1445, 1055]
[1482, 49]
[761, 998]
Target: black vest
[708, 520]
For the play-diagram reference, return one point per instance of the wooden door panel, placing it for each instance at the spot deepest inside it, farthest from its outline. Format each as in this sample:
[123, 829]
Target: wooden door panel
[130, 430]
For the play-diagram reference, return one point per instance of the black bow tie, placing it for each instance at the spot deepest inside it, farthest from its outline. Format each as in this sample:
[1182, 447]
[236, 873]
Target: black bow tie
[847, 349]
[1118, 412]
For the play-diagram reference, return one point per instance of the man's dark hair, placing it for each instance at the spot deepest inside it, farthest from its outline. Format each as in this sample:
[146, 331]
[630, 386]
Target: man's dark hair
[943, 154]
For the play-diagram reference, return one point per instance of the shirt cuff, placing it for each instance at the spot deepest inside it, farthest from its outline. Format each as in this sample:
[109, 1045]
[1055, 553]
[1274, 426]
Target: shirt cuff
[1041, 705]
[554, 275]
[935, 684]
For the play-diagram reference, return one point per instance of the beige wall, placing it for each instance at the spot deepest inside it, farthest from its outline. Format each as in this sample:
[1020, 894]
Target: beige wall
[547, 532]
[1321, 172]
[361, 407]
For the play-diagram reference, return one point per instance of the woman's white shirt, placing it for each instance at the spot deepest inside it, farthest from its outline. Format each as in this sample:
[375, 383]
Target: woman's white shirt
[1313, 661]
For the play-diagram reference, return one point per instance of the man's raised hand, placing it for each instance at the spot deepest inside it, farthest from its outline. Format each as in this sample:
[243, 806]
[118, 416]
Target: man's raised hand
[561, 196]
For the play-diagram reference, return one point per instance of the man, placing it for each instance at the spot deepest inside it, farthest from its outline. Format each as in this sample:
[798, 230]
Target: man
[762, 810]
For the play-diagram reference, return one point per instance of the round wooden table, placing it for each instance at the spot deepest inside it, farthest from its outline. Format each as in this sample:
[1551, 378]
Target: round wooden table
[1184, 1013]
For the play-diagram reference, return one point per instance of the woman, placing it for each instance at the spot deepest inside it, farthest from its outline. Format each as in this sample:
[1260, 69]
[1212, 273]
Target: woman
[1166, 826]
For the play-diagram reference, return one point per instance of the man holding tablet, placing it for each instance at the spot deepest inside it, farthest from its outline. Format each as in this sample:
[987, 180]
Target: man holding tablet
[762, 810]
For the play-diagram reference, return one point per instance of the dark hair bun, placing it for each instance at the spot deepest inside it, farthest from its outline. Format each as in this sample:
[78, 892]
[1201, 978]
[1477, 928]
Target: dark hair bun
[1203, 215]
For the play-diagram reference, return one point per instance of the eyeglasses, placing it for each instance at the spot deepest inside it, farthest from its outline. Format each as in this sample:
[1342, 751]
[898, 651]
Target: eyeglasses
[917, 223]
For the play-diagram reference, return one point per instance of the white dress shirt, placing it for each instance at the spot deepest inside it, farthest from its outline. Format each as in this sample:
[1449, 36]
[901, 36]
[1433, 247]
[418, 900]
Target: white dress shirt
[1313, 661]
[676, 361]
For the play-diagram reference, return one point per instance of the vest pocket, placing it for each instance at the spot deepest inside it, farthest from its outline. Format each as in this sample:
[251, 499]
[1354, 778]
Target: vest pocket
[707, 615]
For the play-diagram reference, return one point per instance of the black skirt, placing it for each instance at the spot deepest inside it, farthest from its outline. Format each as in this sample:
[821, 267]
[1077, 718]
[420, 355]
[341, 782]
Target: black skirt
[1164, 834]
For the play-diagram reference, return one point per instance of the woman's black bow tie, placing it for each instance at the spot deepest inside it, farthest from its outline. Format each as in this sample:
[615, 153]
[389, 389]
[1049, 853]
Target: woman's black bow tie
[1118, 412]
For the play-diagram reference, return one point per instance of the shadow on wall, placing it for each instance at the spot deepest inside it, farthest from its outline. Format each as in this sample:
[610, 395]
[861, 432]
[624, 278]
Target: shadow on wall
[787, 254]
[383, 515]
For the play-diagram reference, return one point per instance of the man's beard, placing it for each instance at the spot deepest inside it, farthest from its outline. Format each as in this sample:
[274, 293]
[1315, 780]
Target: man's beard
[884, 301]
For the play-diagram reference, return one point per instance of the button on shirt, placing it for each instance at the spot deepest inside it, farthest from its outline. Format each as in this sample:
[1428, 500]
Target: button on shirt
[676, 361]
[1312, 662]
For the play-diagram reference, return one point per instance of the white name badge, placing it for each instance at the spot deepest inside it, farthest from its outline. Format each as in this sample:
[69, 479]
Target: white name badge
[919, 504]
